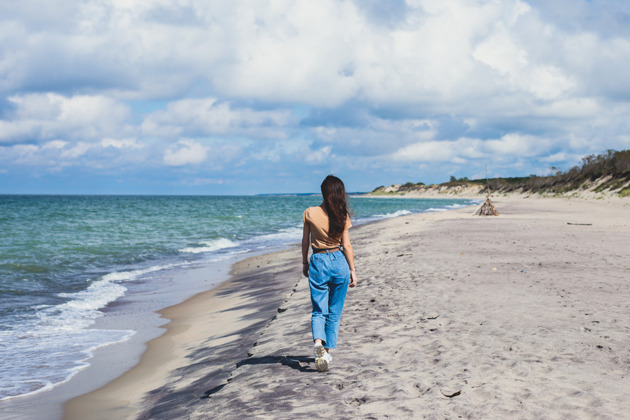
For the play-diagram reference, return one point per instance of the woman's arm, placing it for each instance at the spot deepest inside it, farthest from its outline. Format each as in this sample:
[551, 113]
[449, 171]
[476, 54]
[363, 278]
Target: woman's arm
[349, 253]
[306, 239]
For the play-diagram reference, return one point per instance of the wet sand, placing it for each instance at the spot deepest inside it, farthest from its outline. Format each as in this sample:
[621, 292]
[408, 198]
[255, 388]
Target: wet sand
[524, 315]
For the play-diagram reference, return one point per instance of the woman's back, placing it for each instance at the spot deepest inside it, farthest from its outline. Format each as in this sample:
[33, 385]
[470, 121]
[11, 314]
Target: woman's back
[330, 270]
[318, 220]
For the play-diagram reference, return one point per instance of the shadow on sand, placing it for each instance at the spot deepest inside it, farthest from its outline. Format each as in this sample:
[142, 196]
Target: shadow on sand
[300, 363]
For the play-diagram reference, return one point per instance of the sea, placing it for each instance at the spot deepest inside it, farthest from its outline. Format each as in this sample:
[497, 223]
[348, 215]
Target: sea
[64, 260]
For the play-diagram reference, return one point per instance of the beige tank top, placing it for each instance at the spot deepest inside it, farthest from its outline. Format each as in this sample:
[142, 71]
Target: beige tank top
[317, 218]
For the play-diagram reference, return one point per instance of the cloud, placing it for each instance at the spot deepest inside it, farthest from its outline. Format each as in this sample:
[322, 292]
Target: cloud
[380, 88]
[463, 149]
[122, 143]
[55, 144]
[375, 136]
[322, 54]
[77, 150]
[185, 152]
[431, 151]
[81, 148]
[389, 13]
[318, 156]
[202, 117]
[511, 61]
[25, 149]
[59, 154]
[50, 115]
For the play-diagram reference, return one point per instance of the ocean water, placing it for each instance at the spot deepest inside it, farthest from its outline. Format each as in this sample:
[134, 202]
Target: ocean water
[63, 259]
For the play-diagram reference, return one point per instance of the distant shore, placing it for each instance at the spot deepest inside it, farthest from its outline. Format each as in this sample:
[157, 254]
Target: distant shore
[479, 193]
[523, 314]
[597, 176]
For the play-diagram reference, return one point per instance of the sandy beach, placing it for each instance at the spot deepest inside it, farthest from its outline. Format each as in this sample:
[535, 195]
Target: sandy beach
[524, 315]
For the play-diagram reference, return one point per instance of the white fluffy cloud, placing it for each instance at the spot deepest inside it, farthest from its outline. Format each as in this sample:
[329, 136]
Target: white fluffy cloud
[57, 154]
[317, 53]
[376, 136]
[50, 115]
[122, 143]
[207, 117]
[185, 152]
[318, 156]
[460, 150]
[395, 85]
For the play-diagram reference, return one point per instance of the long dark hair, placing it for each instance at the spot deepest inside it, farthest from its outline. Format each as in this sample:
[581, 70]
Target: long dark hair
[335, 204]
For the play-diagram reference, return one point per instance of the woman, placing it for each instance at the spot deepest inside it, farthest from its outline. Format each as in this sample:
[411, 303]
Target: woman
[331, 268]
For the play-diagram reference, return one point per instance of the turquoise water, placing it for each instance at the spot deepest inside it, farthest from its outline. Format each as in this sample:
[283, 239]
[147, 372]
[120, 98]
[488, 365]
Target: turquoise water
[64, 258]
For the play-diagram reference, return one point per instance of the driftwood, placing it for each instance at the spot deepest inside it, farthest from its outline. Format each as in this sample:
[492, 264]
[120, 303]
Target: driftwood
[486, 209]
[451, 394]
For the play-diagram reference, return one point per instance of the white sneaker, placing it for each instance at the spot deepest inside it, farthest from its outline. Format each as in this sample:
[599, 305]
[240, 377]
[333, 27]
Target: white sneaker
[318, 350]
[321, 361]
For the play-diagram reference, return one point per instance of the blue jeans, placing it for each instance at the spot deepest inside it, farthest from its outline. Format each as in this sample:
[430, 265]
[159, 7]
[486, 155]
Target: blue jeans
[328, 278]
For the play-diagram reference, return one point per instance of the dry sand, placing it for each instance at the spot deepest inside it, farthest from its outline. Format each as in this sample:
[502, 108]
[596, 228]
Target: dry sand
[524, 315]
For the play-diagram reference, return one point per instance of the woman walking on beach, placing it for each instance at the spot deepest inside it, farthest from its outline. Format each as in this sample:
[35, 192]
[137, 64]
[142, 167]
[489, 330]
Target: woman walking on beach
[331, 268]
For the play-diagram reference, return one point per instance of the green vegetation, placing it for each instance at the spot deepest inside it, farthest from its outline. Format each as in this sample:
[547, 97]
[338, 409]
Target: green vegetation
[610, 170]
[381, 192]
[410, 186]
[453, 182]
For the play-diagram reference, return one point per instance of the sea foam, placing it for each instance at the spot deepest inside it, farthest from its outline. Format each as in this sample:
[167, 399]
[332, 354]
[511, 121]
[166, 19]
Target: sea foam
[210, 246]
[56, 342]
[55, 298]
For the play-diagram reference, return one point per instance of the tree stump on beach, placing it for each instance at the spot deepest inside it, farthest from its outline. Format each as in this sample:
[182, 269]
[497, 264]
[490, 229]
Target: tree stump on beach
[486, 209]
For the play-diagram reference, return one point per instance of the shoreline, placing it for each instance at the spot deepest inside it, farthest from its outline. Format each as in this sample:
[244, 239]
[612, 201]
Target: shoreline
[213, 328]
[109, 361]
[138, 312]
[194, 361]
[226, 295]
[127, 395]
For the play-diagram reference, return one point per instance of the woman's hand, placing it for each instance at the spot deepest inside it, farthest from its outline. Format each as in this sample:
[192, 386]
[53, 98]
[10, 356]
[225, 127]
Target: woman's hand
[353, 278]
[306, 238]
[349, 253]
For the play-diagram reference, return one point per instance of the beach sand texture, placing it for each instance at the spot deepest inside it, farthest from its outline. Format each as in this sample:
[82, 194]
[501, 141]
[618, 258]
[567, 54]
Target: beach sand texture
[525, 315]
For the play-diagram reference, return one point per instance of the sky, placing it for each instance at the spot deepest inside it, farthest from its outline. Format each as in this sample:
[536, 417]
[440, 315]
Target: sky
[270, 96]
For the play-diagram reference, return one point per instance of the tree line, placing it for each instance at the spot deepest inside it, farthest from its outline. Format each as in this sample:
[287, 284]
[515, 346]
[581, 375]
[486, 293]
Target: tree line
[611, 169]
